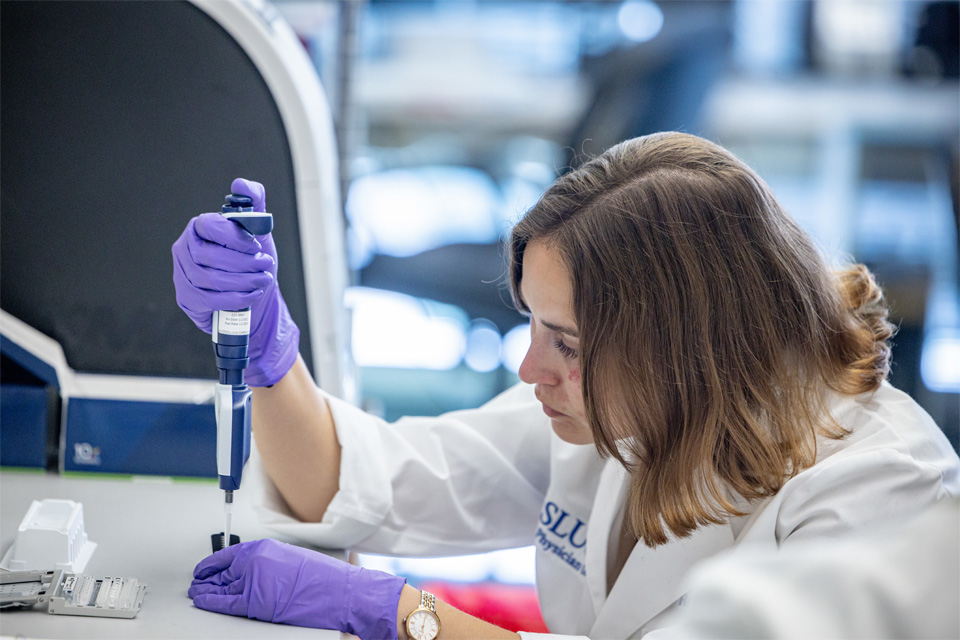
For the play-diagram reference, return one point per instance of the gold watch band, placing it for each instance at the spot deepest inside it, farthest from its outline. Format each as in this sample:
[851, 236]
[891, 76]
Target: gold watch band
[428, 601]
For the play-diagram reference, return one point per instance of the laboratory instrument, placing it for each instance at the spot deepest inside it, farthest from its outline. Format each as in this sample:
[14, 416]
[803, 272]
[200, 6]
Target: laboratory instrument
[71, 594]
[230, 333]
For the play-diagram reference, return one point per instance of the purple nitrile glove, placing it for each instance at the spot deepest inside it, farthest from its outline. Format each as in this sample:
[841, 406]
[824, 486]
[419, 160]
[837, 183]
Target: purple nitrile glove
[218, 265]
[277, 582]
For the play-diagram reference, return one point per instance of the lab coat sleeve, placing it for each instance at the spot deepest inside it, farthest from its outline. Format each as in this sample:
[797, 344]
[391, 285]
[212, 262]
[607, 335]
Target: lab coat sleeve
[464, 482]
[899, 582]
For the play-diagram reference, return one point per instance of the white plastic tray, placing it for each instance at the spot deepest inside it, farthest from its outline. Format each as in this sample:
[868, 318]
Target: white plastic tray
[51, 536]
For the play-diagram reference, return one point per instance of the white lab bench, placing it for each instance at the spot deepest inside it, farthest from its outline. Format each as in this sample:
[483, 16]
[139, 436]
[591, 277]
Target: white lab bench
[154, 530]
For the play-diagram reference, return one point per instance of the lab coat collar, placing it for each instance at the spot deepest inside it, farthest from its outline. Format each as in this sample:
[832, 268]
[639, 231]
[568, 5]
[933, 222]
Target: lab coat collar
[652, 579]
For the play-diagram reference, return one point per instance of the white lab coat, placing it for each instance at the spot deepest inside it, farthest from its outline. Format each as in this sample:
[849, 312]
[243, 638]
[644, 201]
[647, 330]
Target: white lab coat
[497, 477]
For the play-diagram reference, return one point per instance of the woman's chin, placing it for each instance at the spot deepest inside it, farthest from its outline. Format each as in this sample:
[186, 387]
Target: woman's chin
[571, 431]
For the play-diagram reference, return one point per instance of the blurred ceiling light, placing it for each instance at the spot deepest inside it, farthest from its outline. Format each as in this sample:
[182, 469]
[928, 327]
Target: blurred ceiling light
[640, 20]
[403, 212]
[483, 346]
[940, 362]
[857, 36]
[399, 331]
[515, 346]
[865, 26]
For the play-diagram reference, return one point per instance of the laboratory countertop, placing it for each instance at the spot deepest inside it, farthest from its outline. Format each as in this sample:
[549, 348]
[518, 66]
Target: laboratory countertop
[154, 530]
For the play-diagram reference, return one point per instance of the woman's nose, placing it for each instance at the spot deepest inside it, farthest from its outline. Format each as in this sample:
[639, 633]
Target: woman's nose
[536, 369]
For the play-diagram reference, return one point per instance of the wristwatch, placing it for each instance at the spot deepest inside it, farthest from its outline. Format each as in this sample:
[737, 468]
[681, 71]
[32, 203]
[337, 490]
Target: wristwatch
[423, 622]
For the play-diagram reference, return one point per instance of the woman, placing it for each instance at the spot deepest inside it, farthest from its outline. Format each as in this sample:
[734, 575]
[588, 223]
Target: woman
[697, 379]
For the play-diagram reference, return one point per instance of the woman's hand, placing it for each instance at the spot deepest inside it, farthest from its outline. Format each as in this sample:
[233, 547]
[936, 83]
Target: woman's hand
[219, 266]
[277, 582]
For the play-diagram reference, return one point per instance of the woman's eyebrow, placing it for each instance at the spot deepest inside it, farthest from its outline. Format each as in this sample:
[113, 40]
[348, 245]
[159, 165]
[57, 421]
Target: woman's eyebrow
[560, 329]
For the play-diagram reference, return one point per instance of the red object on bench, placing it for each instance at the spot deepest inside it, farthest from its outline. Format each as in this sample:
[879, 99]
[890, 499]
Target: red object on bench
[513, 607]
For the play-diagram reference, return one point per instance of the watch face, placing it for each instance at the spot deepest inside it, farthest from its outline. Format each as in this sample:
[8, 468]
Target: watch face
[423, 625]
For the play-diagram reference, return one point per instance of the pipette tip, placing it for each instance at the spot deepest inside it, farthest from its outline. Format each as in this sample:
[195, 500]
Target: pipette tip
[228, 513]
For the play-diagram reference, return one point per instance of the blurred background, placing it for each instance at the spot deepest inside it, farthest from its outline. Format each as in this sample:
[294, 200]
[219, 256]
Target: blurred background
[454, 115]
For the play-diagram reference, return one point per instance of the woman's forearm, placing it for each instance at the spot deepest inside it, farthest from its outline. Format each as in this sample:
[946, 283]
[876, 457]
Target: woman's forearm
[298, 445]
[297, 441]
[454, 624]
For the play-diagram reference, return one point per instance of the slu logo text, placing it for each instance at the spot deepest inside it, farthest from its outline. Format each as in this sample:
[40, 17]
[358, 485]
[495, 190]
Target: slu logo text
[563, 535]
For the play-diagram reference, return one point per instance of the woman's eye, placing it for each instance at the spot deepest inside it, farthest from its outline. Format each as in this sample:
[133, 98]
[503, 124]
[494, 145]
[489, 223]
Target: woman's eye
[565, 350]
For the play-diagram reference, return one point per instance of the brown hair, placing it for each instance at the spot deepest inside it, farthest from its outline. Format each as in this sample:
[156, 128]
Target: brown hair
[710, 327]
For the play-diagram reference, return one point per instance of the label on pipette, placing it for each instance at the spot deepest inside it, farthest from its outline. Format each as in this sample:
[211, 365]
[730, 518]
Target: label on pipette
[233, 323]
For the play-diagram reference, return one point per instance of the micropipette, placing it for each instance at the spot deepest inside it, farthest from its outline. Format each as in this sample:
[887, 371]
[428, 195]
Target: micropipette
[231, 337]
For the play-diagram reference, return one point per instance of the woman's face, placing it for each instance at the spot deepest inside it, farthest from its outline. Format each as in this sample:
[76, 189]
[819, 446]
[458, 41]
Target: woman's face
[553, 361]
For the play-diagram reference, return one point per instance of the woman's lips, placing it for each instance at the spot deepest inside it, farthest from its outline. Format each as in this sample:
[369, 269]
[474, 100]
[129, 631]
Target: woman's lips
[551, 413]
[547, 409]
